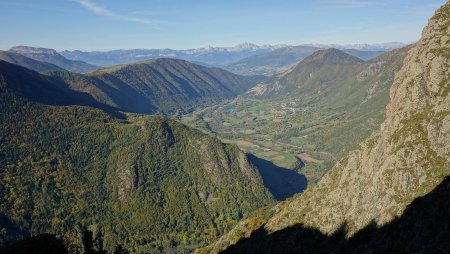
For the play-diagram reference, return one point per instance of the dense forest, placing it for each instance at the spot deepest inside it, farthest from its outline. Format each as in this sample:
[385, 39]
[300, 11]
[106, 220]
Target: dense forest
[144, 182]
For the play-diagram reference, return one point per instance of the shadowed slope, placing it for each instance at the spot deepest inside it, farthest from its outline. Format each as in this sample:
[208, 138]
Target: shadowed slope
[40, 244]
[40, 88]
[422, 228]
[281, 182]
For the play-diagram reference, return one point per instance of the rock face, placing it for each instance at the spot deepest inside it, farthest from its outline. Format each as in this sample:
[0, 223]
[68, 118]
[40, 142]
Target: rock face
[407, 158]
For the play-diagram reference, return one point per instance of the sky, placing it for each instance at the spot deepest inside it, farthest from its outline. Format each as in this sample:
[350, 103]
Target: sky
[182, 24]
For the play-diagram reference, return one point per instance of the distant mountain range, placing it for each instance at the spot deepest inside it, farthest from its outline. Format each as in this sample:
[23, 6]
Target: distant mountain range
[263, 60]
[215, 56]
[243, 59]
[53, 57]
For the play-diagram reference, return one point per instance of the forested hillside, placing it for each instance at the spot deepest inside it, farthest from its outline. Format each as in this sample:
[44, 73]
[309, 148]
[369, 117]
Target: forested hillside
[167, 86]
[145, 182]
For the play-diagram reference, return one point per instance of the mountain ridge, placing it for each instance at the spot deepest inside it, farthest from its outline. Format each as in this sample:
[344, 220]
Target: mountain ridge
[29, 63]
[53, 57]
[172, 85]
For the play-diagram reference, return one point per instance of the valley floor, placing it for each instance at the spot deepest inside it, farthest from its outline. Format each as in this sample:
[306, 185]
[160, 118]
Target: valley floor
[284, 132]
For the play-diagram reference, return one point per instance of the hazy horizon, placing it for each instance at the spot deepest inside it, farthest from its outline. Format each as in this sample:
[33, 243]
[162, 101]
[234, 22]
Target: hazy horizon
[226, 46]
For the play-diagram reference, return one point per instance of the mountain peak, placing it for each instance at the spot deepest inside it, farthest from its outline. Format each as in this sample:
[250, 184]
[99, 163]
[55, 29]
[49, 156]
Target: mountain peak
[309, 75]
[332, 56]
[246, 45]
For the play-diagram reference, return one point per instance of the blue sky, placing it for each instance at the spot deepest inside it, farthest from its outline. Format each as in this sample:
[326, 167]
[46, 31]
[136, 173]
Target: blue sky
[181, 24]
